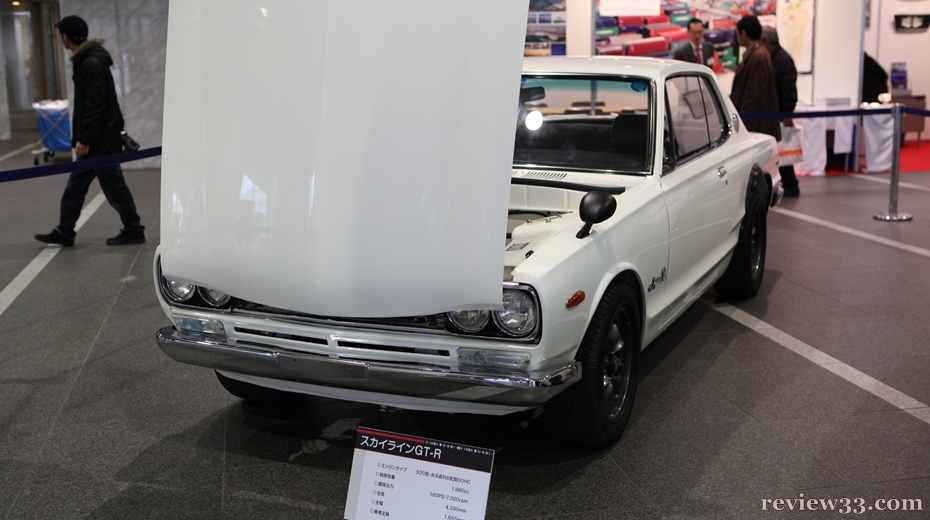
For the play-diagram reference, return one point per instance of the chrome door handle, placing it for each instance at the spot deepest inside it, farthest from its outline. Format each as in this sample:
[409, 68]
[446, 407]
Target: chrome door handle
[721, 172]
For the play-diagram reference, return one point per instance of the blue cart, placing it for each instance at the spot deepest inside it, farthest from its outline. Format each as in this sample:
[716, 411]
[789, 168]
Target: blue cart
[54, 128]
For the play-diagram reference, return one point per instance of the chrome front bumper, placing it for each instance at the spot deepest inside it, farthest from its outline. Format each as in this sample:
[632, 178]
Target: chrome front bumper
[425, 383]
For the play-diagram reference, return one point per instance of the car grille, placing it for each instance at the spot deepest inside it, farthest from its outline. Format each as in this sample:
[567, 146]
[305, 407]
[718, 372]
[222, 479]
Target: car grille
[435, 322]
[327, 345]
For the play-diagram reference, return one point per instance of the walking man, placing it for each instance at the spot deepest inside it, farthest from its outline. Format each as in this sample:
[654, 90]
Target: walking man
[97, 123]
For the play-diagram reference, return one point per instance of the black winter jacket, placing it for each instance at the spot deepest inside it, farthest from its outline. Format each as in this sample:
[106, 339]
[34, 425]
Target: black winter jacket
[96, 119]
[786, 80]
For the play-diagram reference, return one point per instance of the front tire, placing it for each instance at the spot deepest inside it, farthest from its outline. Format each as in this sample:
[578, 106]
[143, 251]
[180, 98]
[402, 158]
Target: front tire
[743, 277]
[595, 410]
[251, 393]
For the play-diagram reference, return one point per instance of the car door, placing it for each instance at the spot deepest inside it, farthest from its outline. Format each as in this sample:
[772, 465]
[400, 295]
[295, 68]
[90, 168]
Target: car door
[699, 195]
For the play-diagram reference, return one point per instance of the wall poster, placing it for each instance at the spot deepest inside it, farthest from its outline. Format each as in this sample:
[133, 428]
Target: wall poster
[796, 32]
[656, 27]
[545, 28]
[630, 7]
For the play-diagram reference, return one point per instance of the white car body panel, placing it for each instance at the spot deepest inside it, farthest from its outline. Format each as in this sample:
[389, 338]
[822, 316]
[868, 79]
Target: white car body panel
[301, 181]
[672, 236]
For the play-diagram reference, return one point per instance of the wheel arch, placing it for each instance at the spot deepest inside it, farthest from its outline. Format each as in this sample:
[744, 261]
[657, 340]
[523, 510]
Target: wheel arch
[630, 277]
[758, 179]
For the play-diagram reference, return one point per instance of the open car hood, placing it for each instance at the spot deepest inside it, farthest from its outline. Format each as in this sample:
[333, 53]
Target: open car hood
[341, 158]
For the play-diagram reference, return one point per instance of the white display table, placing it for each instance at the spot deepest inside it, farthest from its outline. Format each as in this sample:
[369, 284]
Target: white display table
[877, 138]
[814, 131]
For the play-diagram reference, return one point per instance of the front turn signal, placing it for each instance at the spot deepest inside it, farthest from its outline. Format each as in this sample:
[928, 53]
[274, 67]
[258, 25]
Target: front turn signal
[575, 300]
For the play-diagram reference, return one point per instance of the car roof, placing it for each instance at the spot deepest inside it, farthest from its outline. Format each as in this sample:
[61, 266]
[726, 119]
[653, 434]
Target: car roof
[624, 65]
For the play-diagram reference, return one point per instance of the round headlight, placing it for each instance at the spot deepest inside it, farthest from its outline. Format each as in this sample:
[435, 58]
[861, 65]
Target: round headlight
[214, 297]
[519, 316]
[178, 291]
[469, 321]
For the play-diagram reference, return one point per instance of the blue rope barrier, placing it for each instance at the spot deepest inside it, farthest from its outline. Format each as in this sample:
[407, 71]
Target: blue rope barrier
[83, 164]
[758, 116]
[917, 111]
[88, 164]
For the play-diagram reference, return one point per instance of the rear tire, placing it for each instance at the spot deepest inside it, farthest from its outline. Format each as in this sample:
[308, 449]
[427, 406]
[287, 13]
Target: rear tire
[595, 410]
[252, 393]
[743, 276]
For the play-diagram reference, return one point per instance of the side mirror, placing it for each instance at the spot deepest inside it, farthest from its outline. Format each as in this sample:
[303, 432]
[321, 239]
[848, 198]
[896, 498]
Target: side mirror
[595, 207]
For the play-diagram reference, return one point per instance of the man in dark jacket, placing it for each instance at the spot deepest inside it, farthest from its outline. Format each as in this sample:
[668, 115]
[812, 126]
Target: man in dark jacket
[97, 123]
[754, 82]
[786, 80]
[874, 79]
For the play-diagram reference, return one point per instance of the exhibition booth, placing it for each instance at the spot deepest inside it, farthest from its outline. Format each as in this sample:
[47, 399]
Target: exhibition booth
[826, 38]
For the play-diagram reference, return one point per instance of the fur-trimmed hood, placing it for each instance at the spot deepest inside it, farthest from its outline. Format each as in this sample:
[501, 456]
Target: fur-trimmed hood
[91, 47]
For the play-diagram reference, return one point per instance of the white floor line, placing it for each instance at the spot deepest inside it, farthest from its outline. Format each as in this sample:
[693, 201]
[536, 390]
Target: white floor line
[29, 273]
[17, 152]
[855, 232]
[887, 180]
[868, 383]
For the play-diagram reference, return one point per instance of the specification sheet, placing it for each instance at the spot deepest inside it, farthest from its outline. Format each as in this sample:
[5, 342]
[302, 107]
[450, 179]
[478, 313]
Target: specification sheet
[401, 476]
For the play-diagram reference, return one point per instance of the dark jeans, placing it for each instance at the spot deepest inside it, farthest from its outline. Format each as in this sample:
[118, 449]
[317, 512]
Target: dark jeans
[114, 189]
[788, 180]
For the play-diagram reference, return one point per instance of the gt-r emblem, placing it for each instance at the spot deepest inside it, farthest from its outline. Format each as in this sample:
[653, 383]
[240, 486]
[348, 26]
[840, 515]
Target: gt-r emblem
[656, 280]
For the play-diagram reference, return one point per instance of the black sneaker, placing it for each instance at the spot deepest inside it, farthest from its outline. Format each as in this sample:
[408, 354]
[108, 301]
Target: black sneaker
[125, 238]
[55, 237]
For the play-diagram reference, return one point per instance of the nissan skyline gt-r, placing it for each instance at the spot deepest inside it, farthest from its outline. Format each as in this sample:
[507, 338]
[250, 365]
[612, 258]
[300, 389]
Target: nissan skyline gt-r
[633, 189]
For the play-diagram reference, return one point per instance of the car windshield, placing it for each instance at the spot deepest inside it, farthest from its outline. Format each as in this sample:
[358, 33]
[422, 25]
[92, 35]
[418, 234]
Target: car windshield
[589, 124]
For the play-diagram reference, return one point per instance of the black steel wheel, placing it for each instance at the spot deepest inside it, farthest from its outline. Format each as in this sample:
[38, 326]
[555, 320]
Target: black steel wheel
[743, 276]
[251, 393]
[595, 410]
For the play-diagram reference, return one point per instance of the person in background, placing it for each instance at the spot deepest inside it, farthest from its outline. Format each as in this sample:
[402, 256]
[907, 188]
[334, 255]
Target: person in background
[696, 50]
[753, 90]
[874, 79]
[95, 132]
[786, 79]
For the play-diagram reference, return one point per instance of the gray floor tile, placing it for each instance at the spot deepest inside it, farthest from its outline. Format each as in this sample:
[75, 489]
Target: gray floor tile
[793, 393]
[864, 447]
[286, 491]
[57, 492]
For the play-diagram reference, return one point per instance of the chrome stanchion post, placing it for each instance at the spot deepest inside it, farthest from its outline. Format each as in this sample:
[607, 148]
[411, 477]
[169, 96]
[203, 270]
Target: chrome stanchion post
[892, 215]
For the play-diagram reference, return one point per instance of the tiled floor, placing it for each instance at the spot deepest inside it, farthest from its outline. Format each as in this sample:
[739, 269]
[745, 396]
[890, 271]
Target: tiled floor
[95, 422]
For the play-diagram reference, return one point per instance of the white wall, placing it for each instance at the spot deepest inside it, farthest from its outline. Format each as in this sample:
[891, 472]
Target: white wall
[579, 30]
[136, 34]
[837, 51]
[888, 46]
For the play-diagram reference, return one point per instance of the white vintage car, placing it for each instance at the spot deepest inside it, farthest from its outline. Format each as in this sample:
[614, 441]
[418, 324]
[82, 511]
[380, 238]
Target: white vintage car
[634, 188]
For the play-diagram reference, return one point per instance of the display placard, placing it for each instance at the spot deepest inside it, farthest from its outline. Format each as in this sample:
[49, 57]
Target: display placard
[630, 7]
[402, 476]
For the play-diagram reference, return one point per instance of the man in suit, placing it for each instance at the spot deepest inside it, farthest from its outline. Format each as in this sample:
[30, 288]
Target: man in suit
[696, 50]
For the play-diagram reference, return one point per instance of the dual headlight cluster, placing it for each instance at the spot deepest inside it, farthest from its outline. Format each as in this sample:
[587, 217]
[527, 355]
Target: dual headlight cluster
[182, 292]
[518, 319]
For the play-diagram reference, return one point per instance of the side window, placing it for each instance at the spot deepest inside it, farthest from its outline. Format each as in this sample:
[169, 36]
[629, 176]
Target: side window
[694, 116]
[715, 117]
